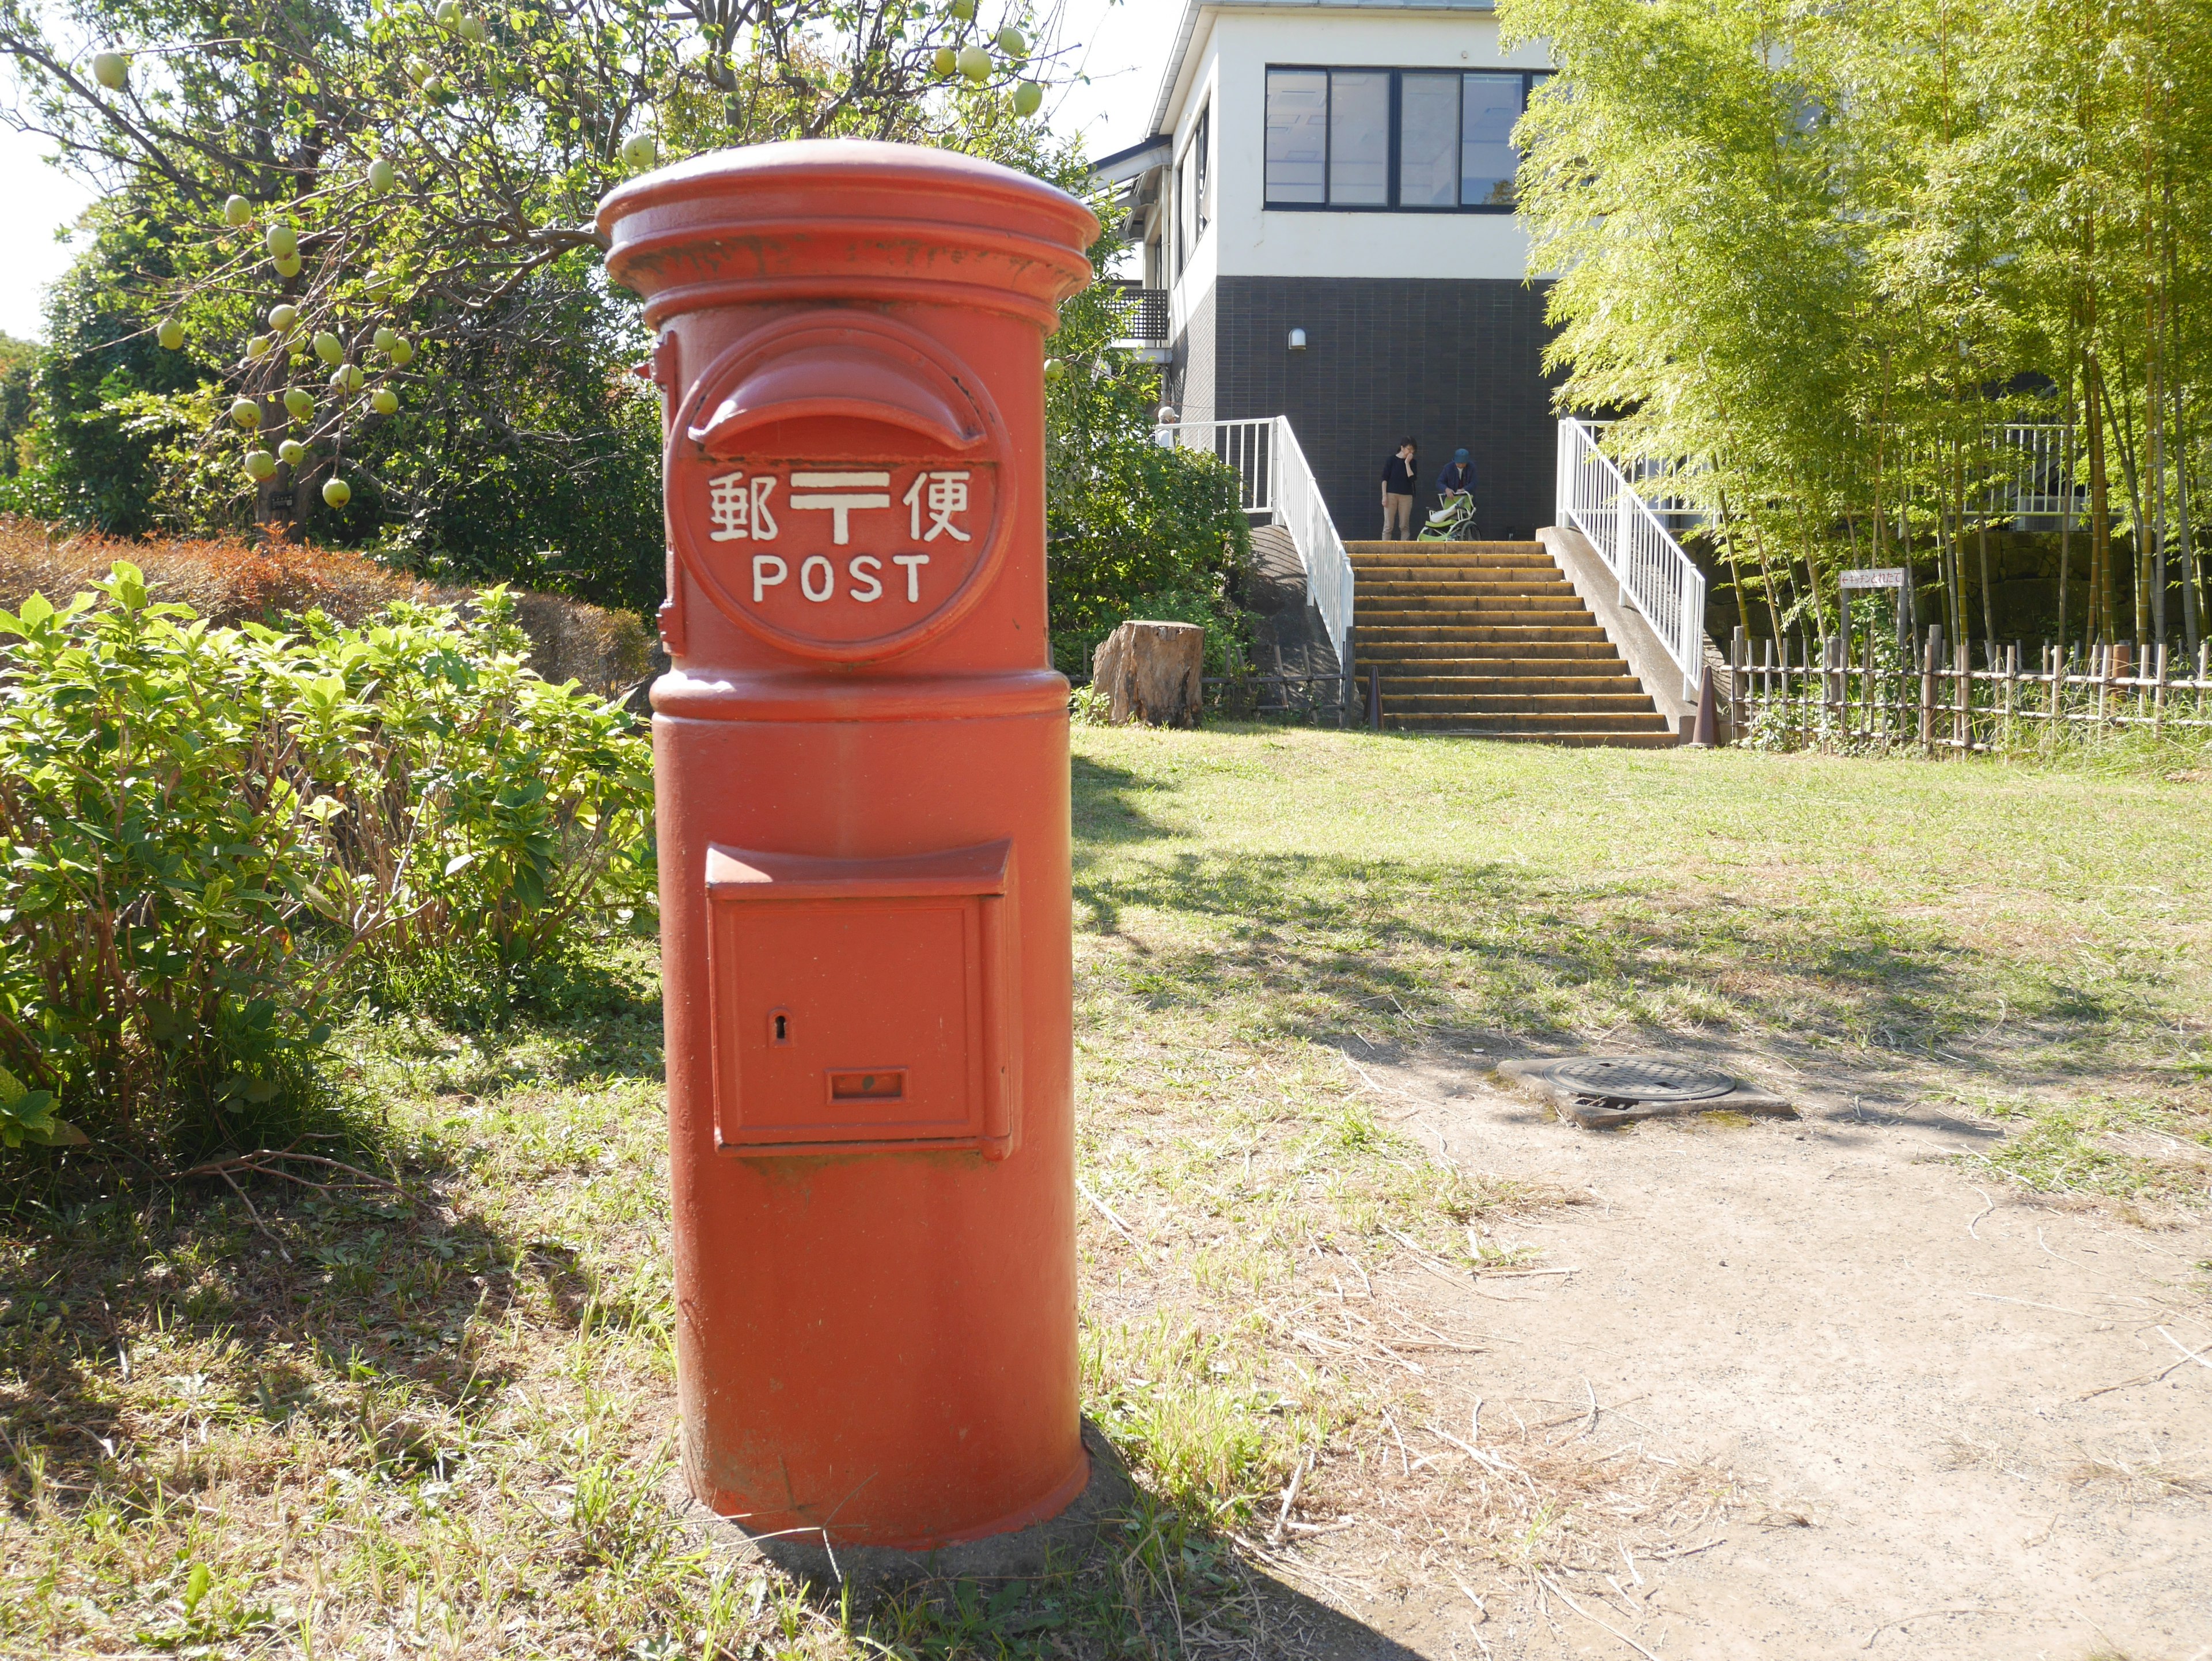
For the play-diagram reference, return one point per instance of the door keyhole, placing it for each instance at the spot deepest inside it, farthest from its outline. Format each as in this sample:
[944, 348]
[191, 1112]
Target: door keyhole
[779, 1027]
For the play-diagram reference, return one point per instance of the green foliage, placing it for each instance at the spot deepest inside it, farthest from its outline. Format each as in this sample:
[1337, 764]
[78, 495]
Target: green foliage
[214, 832]
[1133, 529]
[378, 166]
[1817, 256]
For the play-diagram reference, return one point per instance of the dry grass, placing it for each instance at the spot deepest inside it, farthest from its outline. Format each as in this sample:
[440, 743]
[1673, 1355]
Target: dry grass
[232, 580]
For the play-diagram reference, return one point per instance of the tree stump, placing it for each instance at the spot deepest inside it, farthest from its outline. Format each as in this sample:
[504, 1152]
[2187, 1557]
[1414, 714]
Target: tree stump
[1149, 673]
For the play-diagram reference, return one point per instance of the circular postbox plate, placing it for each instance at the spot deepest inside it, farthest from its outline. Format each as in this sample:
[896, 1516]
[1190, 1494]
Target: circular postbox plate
[840, 485]
[1640, 1079]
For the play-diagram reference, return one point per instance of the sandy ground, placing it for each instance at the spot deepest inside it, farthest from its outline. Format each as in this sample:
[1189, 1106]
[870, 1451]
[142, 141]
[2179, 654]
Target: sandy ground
[1917, 1365]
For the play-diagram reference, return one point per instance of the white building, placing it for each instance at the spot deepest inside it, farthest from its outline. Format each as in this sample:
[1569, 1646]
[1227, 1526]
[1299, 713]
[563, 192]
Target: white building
[1327, 206]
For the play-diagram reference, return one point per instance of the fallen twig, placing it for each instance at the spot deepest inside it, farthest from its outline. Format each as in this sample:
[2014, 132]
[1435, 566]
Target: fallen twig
[1988, 1205]
[1290, 1499]
[2187, 1353]
[1106, 1212]
[1559, 1591]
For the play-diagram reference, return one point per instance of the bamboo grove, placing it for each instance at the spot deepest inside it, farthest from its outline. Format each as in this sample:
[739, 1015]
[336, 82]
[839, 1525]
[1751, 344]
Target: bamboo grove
[1883, 275]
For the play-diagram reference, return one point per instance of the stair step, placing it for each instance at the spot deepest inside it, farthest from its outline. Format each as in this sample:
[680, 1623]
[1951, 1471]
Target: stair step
[1490, 640]
[1446, 727]
[1440, 660]
[1528, 687]
[1518, 633]
[1463, 593]
[1532, 704]
[1514, 721]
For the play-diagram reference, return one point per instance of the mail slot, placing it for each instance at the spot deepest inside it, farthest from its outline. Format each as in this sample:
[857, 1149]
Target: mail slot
[860, 755]
[862, 1003]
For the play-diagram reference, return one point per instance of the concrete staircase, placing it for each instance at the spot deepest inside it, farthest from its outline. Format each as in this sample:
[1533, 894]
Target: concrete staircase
[1490, 640]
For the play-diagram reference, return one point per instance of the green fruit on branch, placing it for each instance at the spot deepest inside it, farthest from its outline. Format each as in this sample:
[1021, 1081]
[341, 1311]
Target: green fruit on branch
[299, 404]
[448, 13]
[171, 333]
[399, 351]
[258, 348]
[1054, 369]
[419, 70]
[1012, 42]
[260, 464]
[472, 28]
[347, 377]
[945, 63]
[974, 63]
[247, 413]
[434, 89]
[638, 151]
[382, 175]
[291, 452]
[962, 9]
[384, 401]
[1028, 98]
[288, 267]
[336, 492]
[328, 346]
[111, 69]
[237, 210]
[282, 317]
[382, 338]
[281, 241]
[552, 87]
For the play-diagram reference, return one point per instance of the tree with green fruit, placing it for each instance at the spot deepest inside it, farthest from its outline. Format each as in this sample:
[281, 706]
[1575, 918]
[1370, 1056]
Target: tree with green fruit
[363, 229]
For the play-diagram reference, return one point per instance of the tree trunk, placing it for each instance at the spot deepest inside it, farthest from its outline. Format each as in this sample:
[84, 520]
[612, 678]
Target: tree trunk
[1150, 672]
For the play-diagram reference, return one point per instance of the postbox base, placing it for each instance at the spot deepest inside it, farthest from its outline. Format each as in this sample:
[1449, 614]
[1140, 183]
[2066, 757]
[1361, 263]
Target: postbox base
[1061, 1527]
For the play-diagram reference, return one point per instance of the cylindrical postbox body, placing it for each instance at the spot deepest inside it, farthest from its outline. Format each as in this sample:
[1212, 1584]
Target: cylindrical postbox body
[861, 751]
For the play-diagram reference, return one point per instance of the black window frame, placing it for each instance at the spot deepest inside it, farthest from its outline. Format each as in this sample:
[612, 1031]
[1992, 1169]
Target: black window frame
[1397, 72]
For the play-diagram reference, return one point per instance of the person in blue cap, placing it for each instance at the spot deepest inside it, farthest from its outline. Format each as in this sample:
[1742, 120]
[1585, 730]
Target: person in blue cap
[1457, 478]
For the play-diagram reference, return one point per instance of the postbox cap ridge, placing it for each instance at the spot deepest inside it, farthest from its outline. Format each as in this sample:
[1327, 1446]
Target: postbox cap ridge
[992, 191]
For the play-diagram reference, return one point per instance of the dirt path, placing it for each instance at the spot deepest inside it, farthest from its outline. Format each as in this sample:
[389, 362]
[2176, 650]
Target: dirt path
[1916, 1365]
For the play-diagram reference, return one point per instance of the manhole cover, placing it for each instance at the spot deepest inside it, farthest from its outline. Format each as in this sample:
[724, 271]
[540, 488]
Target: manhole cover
[1640, 1079]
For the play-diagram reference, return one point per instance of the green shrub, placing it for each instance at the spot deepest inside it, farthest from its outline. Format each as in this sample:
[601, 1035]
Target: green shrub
[216, 834]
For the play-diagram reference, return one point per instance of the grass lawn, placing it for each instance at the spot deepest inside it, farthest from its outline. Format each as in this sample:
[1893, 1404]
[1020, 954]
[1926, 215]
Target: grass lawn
[434, 1418]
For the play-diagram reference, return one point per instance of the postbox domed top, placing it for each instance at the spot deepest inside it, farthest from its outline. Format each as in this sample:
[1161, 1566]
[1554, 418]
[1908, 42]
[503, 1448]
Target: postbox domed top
[741, 225]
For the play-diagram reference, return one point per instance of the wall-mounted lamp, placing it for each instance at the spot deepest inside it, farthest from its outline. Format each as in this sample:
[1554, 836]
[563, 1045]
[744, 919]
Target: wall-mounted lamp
[1298, 340]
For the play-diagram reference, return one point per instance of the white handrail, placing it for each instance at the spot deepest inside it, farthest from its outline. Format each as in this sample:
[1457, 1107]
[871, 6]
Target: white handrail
[1273, 479]
[1655, 576]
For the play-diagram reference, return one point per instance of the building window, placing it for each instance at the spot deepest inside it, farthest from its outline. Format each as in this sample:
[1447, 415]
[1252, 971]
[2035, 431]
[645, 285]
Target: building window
[1198, 176]
[1414, 140]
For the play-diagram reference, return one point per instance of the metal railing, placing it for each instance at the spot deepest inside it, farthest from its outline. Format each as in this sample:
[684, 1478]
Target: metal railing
[1275, 480]
[1655, 576]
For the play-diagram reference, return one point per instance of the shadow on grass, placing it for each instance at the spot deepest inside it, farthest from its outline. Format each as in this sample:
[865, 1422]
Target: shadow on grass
[1118, 1573]
[1314, 946]
[322, 1271]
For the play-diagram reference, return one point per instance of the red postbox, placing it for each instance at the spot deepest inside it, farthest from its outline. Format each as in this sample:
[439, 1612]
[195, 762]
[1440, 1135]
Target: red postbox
[861, 752]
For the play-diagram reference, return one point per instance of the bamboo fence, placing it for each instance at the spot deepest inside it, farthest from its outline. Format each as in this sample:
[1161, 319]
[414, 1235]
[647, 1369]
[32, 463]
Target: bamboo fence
[1826, 694]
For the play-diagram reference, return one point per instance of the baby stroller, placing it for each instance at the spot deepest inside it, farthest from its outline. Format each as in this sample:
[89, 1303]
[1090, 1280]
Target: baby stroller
[1453, 523]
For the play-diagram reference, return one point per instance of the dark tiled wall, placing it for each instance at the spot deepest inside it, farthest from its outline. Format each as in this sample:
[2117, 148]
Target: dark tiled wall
[1191, 379]
[1452, 362]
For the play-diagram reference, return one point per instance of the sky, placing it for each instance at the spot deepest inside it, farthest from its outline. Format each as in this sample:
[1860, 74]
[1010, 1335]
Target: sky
[1118, 49]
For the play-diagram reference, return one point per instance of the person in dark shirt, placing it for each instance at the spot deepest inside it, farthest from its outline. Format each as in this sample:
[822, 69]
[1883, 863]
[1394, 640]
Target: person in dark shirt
[1398, 476]
[1458, 478]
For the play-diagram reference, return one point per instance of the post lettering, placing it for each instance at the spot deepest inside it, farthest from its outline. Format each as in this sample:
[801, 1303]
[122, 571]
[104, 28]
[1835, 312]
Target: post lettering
[845, 493]
[768, 571]
[874, 589]
[806, 579]
[913, 562]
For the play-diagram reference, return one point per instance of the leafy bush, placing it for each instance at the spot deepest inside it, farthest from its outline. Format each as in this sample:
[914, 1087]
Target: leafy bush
[215, 833]
[1133, 529]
